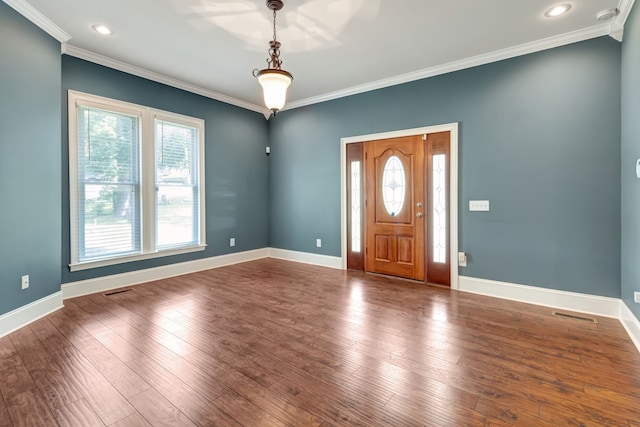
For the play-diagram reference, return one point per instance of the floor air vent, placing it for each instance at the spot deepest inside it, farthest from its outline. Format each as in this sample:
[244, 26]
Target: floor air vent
[117, 292]
[573, 316]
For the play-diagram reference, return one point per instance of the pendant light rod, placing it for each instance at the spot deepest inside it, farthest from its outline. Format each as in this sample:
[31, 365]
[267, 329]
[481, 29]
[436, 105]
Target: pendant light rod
[273, 79]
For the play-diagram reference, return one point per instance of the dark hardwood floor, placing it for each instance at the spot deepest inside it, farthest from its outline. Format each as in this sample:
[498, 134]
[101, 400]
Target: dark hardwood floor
[271, 343]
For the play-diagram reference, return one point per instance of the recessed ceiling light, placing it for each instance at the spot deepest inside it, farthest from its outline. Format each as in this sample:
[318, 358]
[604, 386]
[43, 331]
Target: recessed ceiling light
[557, 10]
[102, 29]
[607, 14]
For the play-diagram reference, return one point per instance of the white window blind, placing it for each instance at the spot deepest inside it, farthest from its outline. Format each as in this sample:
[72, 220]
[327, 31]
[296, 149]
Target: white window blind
[108, 184]
[136, 179]
[177, 184]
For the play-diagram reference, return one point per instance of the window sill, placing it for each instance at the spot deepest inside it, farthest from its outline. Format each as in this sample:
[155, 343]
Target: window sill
[132, 258]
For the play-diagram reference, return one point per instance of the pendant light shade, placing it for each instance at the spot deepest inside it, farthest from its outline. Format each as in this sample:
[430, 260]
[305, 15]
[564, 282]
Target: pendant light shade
[274, 80]
[274, 87]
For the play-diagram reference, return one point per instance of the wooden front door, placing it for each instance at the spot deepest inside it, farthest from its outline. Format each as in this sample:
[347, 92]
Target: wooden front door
[394, 170]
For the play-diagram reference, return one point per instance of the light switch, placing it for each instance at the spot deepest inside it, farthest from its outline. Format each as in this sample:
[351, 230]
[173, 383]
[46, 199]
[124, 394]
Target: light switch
[478, 205]
[462, 259]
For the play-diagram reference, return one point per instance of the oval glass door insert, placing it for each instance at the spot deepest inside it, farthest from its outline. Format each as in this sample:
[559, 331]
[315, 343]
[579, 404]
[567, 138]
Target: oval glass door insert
[394, 184]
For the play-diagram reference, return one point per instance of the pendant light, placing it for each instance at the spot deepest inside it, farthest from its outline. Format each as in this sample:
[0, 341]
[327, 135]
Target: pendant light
[274, 80]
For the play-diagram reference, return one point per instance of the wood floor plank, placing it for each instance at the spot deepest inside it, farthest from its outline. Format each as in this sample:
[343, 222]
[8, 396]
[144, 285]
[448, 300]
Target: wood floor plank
[45, 371]
[78, 413]
[413, 386]
[11, 359]
[28, 408]
[323, 406]
[195, 402]
[16, 378]
[271, 403]
[5, 418]
[271, 342]
[606, 396]
[158, 411]
[125, 380]
[244, 411]
[30, 349]
[545, 390]
[98, 392]
[6, 347]
[419, 414]
[578, 416]
[133, 420]
[50, 337]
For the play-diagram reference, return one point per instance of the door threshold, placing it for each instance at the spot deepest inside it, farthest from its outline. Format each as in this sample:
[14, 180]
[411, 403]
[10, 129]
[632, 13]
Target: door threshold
[390, 276]
[417, 282]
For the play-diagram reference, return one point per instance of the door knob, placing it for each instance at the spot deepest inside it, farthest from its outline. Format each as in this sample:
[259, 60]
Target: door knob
[419, 214]
[419, 204]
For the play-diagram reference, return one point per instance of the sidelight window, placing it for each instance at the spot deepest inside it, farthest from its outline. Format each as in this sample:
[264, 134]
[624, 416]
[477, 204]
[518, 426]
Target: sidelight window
[356, 226]
[439, 213]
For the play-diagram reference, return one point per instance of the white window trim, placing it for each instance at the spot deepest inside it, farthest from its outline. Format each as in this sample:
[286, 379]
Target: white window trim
[147, 178]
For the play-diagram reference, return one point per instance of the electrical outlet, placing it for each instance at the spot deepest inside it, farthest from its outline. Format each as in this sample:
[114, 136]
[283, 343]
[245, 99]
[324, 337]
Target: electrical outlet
[25, 281]
[318, 243]
[478, 205]
[636, 297]
[462, 259]
[232, 241]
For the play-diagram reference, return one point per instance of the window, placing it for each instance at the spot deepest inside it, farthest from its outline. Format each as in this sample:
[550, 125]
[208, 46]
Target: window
[439, 213]
[356, 225]
[393, 186]
[136, 180]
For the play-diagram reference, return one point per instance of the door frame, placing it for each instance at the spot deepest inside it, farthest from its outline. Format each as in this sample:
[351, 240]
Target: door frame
[453, 186]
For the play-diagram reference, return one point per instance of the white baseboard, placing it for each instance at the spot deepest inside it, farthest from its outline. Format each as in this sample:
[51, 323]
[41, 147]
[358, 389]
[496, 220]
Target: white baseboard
[630, 323]
[307, 258]
[584, 303]
[26, 314]
[101, 284]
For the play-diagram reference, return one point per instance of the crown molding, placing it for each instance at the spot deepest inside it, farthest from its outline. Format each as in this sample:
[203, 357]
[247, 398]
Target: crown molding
[624, 7]
[498, 55]
[616, 31]
[617, 25]
[96, 58]
[33, 15]
[611, 29]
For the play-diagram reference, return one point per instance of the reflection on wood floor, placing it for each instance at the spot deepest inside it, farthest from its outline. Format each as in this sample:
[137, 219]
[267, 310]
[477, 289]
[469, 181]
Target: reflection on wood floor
[270, 343]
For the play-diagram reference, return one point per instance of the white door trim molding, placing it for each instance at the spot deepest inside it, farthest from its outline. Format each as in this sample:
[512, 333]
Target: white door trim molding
[453, 186]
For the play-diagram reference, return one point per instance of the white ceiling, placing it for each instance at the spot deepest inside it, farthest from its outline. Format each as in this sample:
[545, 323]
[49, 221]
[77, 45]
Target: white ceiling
[332, 47]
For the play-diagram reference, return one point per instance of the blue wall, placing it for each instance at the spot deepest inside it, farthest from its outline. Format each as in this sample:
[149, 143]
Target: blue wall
[630, 154]
[539, 138]
[30, 201]
[236, 167]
